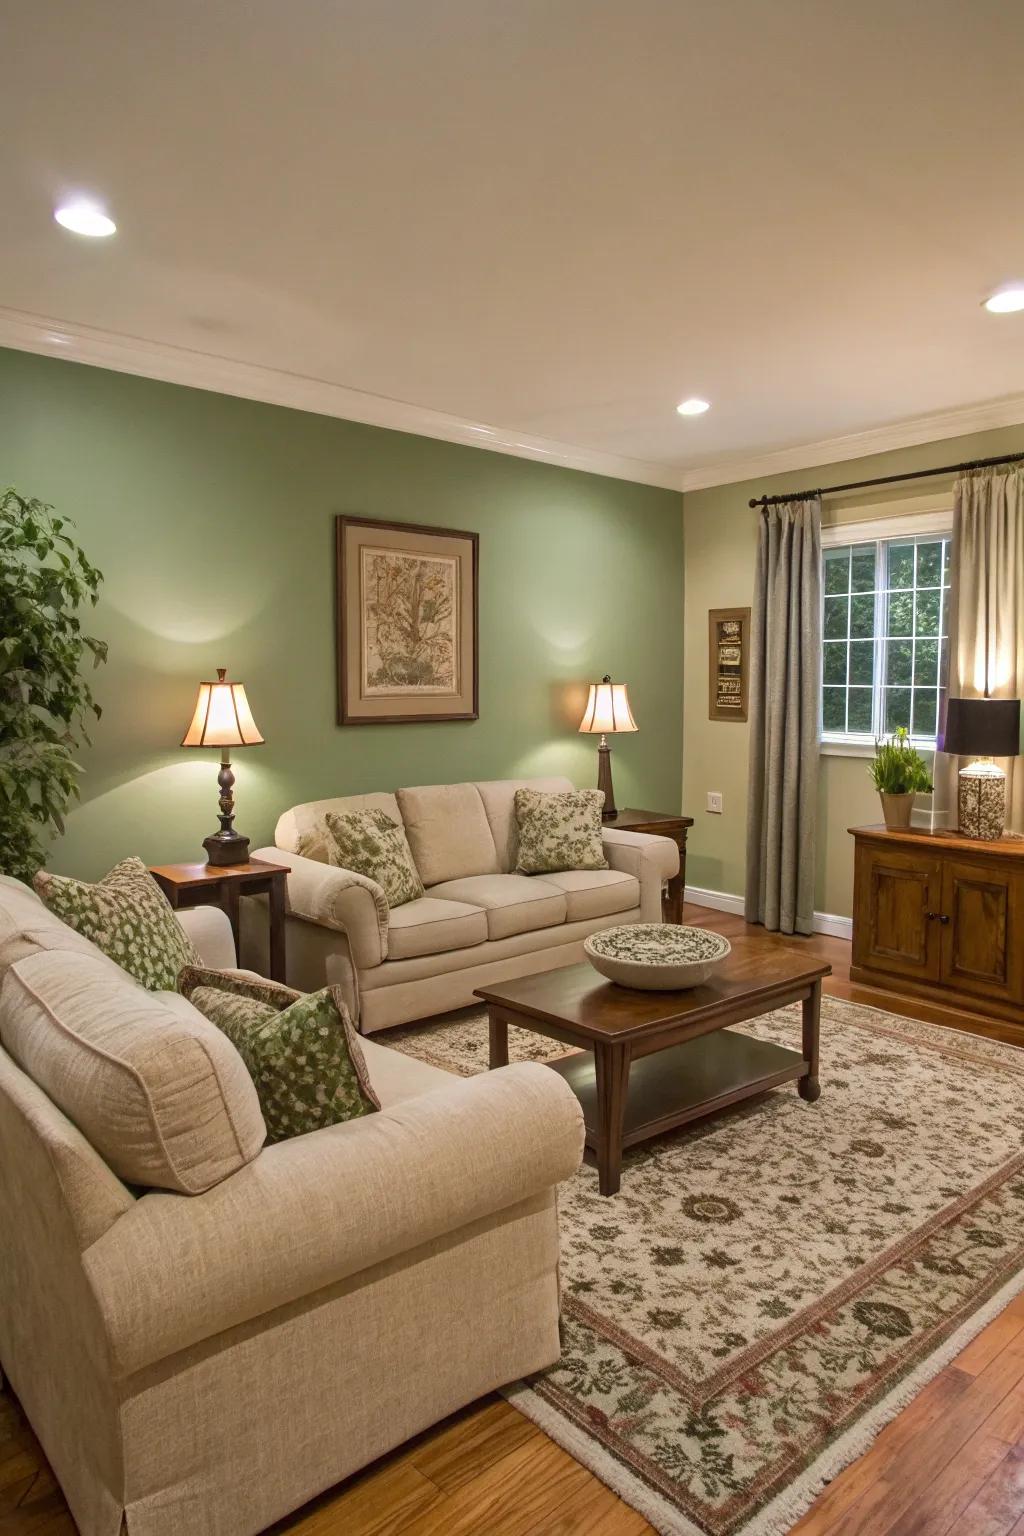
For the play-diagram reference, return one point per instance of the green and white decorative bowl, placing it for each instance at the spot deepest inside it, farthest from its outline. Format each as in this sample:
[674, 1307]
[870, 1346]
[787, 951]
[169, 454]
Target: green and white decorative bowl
[656, 957]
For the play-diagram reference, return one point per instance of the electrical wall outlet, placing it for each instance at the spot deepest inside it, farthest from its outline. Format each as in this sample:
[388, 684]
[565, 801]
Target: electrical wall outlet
[715, 802]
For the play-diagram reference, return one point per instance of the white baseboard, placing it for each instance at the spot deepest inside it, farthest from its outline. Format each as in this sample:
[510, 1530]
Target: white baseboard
[717, 899]
[723, 901]
[836, 927]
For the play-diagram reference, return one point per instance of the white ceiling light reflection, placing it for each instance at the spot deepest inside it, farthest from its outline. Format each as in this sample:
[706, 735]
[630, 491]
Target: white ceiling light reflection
[84, 217]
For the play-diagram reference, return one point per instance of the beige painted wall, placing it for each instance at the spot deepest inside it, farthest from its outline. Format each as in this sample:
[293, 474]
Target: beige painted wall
[721, 532]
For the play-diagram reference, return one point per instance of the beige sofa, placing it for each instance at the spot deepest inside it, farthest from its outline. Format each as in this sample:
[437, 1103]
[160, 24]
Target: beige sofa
[479, 922]
[205, 1363]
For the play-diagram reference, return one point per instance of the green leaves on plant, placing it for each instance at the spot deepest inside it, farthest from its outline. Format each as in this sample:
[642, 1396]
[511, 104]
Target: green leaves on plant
[44, 700]
[898, 768]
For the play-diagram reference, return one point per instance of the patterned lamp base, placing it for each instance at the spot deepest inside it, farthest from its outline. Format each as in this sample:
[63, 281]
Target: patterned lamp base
[982, 800]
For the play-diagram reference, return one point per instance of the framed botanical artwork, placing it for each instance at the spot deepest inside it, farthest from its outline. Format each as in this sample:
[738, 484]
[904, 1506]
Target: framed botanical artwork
[406, 622]
[728, 663]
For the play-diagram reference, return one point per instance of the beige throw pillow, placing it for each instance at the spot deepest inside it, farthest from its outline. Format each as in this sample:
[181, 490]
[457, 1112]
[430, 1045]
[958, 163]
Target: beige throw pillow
[158, 1091]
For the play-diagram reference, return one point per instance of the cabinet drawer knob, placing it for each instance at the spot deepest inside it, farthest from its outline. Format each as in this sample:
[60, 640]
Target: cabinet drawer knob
[937, 917]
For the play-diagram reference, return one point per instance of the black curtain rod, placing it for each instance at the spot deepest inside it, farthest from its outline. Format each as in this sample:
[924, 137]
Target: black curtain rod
[862, 485]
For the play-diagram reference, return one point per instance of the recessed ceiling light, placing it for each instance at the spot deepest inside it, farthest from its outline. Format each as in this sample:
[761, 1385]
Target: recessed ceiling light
[84, 218]
[1005, 301]
[693, 407]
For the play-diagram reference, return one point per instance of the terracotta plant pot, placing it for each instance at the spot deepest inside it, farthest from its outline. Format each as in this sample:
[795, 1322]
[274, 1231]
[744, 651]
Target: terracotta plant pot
[896, 809]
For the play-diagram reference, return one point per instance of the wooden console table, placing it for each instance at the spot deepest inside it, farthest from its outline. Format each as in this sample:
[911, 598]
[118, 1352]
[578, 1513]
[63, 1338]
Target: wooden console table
[660, 824]
[941, 916]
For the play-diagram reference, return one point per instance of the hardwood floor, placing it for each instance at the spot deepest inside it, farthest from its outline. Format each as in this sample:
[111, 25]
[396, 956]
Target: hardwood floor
[951, 1464]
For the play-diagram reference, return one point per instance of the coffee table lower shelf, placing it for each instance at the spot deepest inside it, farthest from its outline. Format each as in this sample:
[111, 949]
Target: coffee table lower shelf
[686, 1082]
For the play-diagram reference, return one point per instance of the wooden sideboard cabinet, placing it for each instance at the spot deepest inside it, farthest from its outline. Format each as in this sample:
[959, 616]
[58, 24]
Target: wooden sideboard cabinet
[941, 916]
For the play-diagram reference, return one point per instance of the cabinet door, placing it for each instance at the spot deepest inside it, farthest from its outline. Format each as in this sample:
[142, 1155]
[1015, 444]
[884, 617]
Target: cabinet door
[982, 943]
[896, 889]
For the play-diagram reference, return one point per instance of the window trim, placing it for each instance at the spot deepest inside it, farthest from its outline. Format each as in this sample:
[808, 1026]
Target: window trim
[915, 525]
[935, 520]
[850, 746]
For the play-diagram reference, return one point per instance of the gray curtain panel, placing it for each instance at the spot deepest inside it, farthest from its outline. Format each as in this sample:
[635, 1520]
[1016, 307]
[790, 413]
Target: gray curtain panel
[986, 619]
[785, 686]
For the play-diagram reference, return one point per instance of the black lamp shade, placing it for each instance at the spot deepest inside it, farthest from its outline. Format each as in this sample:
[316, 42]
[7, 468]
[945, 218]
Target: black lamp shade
[982, 728]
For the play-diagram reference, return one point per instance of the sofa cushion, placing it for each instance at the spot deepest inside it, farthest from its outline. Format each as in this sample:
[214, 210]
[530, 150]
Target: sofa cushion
[513, 903]
[561, 831]
[397, 1076]
[160, 1093]
[128, 917]
[595, 892]
[303, 830]
[448, 831]
[499, 802]
[376, 846]
[301, 1049]
[498, 796]
[429, 927]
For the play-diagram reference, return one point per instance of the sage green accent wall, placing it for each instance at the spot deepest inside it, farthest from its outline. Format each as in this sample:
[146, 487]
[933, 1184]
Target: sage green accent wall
[212, 519]
[721, 542]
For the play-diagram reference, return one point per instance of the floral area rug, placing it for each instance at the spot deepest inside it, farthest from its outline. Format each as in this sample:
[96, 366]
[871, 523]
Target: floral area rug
[771, 1286]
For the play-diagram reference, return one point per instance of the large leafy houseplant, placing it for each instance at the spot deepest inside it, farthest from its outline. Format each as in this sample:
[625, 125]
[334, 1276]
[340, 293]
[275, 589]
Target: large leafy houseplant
[45, 702]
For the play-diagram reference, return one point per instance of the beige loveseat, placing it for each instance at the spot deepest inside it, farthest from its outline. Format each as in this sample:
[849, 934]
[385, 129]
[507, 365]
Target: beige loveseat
[479, 922]
[205, 1363]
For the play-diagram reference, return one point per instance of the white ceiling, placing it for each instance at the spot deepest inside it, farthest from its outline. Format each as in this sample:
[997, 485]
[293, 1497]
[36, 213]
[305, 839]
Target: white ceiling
[557, 217]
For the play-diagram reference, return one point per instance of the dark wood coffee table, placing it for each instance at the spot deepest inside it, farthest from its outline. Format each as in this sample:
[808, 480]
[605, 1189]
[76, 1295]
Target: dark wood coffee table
[656, 1060]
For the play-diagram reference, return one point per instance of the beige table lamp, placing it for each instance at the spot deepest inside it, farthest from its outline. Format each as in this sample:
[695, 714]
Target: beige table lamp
[607, 711]
[223, 719]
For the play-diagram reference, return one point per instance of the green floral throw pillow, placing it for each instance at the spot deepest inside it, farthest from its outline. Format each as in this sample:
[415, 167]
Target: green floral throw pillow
[559, 831]
[128, 917]
[373, 845]
[300, 1049]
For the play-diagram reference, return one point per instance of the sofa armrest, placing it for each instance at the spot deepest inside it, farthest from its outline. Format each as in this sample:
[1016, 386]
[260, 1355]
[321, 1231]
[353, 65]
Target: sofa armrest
[209, 928]
[310, 1212]
[336, 898]
[653, 860]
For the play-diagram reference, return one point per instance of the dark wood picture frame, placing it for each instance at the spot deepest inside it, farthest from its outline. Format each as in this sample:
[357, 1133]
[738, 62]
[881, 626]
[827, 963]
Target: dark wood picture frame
[349, 711]
[741, 673]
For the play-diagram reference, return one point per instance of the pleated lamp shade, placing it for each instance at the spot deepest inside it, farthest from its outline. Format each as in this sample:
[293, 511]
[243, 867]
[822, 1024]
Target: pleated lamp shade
[222, 717]
[607, 709]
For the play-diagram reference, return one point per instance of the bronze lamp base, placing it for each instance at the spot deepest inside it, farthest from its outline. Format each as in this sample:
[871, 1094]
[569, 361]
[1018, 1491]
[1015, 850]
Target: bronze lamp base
[226, 846]
[604, 780]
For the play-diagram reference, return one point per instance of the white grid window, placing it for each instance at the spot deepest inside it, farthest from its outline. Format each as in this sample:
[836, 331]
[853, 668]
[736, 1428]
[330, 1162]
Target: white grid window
[885, 626]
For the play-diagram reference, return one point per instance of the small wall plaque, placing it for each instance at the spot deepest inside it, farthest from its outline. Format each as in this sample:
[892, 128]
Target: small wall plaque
[728, 663]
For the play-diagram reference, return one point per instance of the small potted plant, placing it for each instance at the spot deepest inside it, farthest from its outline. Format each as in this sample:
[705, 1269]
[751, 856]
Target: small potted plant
[899, 772]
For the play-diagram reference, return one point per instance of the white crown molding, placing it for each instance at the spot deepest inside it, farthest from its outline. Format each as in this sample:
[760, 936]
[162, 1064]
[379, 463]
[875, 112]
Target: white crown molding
[200, 370]
[1005, 412]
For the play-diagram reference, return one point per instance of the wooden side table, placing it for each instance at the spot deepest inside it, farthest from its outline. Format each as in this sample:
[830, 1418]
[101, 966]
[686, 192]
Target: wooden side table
[660, 824]
[200, 885]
